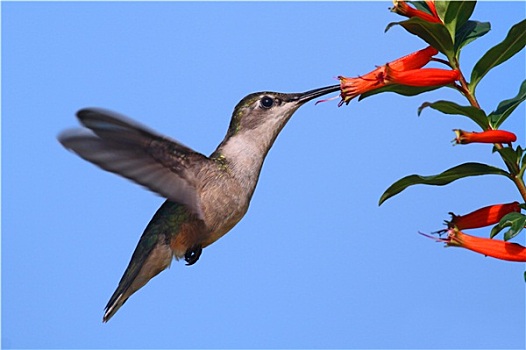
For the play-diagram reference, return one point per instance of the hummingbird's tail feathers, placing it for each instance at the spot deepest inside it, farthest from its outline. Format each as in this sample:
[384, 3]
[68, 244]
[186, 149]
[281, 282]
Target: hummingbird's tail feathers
[151, 256]
[122, 146]
[110, 310]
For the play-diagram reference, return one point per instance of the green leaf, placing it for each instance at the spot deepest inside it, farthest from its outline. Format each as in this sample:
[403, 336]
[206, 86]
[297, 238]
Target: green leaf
[456, 14]
[510, 155]
[435, 34]
[506, 107]
[448, 176]
[523, 165]
[441, 7]
[399, 89]
[515, 221]
[470, 31]
[513, 43]
[448, 107]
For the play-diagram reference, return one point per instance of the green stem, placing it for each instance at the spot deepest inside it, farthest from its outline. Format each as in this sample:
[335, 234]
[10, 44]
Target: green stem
[463, 88]
[442, 61]
[515, 173]
[520, 185]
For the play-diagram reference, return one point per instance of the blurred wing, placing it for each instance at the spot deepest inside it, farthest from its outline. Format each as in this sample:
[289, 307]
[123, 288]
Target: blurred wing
[120, 145]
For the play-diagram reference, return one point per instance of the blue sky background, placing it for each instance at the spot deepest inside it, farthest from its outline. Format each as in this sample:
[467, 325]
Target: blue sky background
[315, 263]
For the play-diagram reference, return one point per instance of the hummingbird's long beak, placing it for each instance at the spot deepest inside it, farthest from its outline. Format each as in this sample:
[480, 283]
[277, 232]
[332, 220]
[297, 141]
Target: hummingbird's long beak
[312, 94]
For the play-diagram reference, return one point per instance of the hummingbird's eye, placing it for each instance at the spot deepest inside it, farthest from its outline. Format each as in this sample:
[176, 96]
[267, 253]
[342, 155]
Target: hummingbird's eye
[267, 102]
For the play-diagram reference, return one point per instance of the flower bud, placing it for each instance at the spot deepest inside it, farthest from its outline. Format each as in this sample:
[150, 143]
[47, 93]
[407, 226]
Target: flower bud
[488, 136]
[482, 217]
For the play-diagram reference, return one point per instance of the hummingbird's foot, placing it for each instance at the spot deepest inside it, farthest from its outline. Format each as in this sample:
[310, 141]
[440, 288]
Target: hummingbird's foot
[192, 255]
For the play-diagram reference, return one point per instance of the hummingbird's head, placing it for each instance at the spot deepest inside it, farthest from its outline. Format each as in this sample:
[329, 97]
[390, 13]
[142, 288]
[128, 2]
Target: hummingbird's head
[266, 113]
[256, 122]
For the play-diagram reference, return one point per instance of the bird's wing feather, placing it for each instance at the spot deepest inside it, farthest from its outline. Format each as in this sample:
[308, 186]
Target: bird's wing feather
[123, 146]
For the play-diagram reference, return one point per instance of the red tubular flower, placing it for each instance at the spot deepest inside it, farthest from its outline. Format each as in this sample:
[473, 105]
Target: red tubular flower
[488, 136]
[490, 247]
[414, 60]
[422, 77]
[405, 70]
[482, 217]
[402, 8]
[432, 7]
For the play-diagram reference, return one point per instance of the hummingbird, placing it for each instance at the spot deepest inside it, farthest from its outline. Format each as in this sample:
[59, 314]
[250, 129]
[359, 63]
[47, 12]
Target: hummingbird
[205, 196]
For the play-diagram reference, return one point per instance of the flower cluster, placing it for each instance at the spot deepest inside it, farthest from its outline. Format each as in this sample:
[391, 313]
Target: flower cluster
[483, 217]
[446, 30]
[405, 71]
